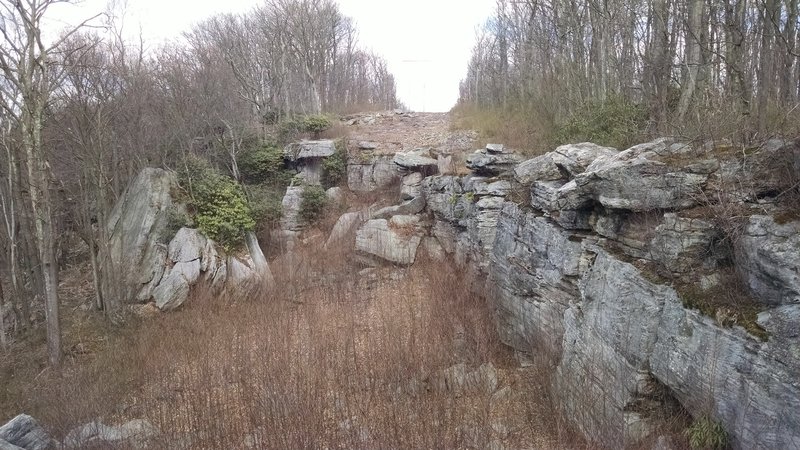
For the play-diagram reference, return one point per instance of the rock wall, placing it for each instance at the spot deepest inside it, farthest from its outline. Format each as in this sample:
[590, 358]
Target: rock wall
[621, 270]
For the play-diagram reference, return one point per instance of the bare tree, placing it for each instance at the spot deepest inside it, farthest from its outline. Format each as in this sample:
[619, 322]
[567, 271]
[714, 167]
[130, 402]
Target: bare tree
[25, 60]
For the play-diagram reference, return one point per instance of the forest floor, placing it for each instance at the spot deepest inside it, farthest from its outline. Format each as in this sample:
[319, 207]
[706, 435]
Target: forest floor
[336, 356]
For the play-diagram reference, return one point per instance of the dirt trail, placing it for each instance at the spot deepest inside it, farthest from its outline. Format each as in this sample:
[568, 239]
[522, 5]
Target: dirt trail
[393, 132]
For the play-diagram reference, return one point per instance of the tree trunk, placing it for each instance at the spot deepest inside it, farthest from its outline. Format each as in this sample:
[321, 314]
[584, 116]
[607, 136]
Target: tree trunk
[692, 57]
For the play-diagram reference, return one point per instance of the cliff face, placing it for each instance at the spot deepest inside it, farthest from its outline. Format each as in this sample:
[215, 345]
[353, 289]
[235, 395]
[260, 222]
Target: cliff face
[658, 274]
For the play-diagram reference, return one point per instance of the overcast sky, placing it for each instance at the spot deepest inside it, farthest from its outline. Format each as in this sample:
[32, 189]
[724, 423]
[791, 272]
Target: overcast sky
[427, 43]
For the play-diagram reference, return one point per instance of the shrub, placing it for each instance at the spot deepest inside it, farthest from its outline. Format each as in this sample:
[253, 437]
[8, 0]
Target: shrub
[313, 203]
[615, 122]
[706, 433]
[289, 129]
[223, 213]
[177, 218]
[262, 164]
[316, 124]
[221, 209]
[265, 204]
[334, 168]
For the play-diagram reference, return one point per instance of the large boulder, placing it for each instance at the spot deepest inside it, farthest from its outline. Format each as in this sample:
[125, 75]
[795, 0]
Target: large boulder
[23, 432]
[418, 160]
[307, 156]
[658, 175]
[769, 257]
[564, 162]
[149, 269]
[136, 229]
[134, 433]
[298, 151]
[484, 162]
[395, 240]
[371, 172]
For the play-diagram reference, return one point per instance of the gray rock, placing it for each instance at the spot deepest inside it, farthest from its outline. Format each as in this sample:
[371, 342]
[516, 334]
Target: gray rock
[417, 160]
[411, 186]
[291, 205]
[497, 148]
[682, 244]
[769, 257]
[297, 151]
[409, 207]
[135, 433]
[497, 188]
[24, 432]
[335, 195]
[656, 175]
[344, 226]
[135, 228]
[373, 173]
[173, 290]
[395, 242]
[485, 163]
[5, 445]
[367, 145]
[565, 162]
[569, 282]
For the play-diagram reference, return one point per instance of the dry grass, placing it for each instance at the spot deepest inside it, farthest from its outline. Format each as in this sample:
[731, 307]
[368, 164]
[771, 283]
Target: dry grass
[328, 359]
[528, 133]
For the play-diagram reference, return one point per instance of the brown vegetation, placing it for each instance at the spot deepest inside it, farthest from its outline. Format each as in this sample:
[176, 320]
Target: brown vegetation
[332, 358]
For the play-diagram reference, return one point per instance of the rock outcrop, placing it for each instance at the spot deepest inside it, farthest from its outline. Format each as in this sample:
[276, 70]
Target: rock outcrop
[165, 272]
[23, 432]
[307, 156]
[618, 273]
[394, 240]
[370, 172]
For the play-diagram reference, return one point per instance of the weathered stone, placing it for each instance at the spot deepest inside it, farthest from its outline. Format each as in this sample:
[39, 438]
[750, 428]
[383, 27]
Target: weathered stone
[497, 148]
[497, 188]
[411, 186]
[135, 433]
[419, 160]
[485, 163]
[409, 207]
[373, 173]
[570, 283]
[367, 145]
[290, 206]
[173, 290]
[135, 229]
[682, 244]
[24, 432]
[769, 256]
[335, 195]
[565, 162]
[297, 151]
[5, 445]
[395, 242]
[656, 175]
[344, 226]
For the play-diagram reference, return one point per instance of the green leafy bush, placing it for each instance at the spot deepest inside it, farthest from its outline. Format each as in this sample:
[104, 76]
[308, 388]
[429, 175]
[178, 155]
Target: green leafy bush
[265, 204]
[290, 128]
[177, 218]
[705, 433]
[316, 124]
[334, 168]
[313, 203]
[262, 164]
[221, 211]
[615, 122]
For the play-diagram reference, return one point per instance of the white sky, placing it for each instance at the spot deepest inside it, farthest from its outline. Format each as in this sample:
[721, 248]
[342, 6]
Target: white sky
[427, 43]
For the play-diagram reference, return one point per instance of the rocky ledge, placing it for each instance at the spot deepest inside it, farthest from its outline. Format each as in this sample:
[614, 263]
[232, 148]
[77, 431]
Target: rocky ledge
[652, 280]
